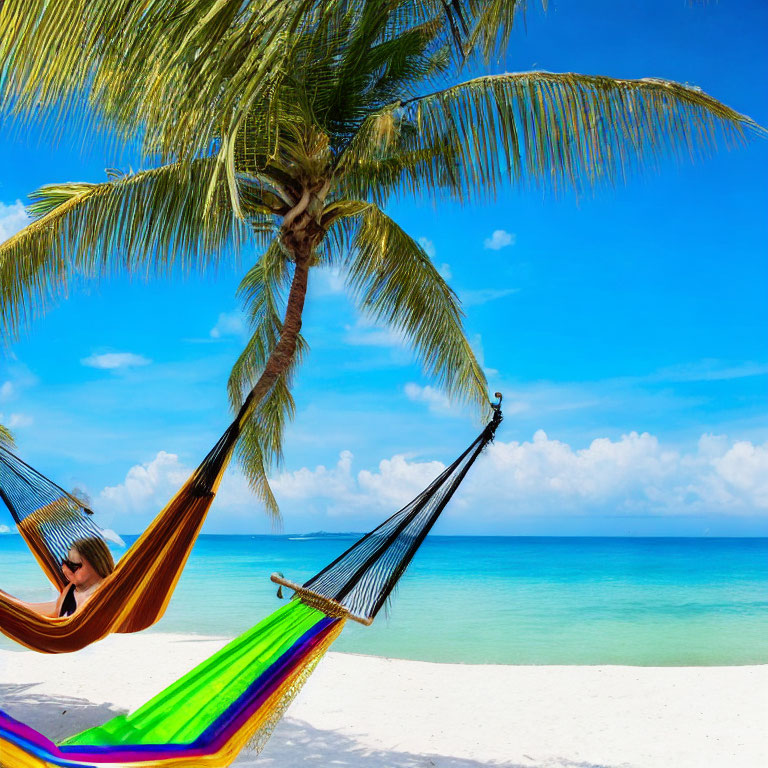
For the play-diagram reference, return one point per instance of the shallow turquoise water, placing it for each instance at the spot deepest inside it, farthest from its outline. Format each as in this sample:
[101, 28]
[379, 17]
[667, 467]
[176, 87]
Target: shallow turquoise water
[494, 600]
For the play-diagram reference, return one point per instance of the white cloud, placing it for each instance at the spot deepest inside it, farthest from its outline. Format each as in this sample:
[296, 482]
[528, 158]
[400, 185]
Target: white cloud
[336, 482]
[474, 298]
[329, 281]
[12, 389]
[7, 529]
[228, 324]
[499, 239]
[439, 403]
[365, 333]
[476, 342]
[114, 360]
[634, 475]
[396, 482]
[13, 217]
[110, 535]
[146, 486]
[16, 420]
[707, 370]
[149, 486]
[20, 378]
[428, 246]
[434, 398]
[741, 474]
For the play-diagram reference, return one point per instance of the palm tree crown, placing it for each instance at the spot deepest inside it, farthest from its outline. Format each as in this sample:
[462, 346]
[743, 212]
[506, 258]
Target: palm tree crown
[289, 126]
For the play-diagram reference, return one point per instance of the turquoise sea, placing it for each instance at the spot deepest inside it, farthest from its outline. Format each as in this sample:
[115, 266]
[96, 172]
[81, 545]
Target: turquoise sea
[504, 600]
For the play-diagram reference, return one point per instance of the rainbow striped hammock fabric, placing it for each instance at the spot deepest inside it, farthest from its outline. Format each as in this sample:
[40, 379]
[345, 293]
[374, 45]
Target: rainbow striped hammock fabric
[236, 697]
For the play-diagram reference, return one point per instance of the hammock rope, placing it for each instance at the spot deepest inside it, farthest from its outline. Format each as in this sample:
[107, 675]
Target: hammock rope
[362, 578]
[44, 512]
[235, 698]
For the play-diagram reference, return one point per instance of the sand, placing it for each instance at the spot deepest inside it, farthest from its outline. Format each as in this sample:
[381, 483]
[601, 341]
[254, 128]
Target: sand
[370, 712]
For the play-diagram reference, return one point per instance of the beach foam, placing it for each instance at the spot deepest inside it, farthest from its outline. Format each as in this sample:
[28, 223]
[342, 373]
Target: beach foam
[372, 712]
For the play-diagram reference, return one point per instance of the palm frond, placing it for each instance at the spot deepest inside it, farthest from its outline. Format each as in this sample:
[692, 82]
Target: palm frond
[187, 74]
[385, 158]
[565, 129]
[154, 221]
[261, 440]
[395, 283]
[49, 48]
[490, 24]
[340, 221]
[6, 437]
[162, 66]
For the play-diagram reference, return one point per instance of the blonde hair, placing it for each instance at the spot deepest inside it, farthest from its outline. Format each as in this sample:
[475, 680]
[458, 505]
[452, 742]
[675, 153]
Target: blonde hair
[97, 553]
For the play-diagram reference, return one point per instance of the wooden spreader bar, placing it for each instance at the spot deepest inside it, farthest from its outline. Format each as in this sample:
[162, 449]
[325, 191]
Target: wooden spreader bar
[321, 602]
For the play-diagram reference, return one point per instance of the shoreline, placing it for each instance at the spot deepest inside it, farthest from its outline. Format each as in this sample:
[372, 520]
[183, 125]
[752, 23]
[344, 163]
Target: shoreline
[8, 647]
[360, 711]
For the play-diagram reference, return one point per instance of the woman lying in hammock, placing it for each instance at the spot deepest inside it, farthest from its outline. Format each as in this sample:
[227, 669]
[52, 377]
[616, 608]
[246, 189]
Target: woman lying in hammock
[86, 565]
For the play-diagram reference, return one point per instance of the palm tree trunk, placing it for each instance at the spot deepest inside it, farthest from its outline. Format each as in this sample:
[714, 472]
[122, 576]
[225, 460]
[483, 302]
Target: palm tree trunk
[281, 357]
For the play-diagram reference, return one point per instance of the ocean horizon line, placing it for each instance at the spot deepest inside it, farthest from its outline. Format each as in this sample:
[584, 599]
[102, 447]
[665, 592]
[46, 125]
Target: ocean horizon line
[350, 534]
[338, 534]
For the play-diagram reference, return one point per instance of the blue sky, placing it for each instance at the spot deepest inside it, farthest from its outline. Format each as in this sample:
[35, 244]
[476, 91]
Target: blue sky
[628, 330]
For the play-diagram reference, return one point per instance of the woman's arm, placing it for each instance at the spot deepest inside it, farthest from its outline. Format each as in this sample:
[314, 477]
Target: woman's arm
[49, 609]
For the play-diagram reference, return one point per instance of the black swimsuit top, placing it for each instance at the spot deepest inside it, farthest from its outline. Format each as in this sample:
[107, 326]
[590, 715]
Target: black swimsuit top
[68, 604]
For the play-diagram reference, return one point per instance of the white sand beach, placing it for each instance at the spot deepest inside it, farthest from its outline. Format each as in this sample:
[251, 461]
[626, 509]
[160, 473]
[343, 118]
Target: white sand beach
[370, 712]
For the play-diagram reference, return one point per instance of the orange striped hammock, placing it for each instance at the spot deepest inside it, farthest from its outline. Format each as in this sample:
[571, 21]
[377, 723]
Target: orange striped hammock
[135, 595]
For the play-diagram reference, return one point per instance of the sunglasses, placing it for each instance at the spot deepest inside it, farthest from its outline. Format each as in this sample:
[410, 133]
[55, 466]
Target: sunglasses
[72, 566]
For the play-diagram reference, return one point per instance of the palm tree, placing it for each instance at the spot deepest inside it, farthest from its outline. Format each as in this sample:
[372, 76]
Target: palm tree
[287, 127]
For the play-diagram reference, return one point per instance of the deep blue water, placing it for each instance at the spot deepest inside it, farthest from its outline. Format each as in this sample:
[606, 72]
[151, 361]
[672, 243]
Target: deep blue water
[507, 600]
